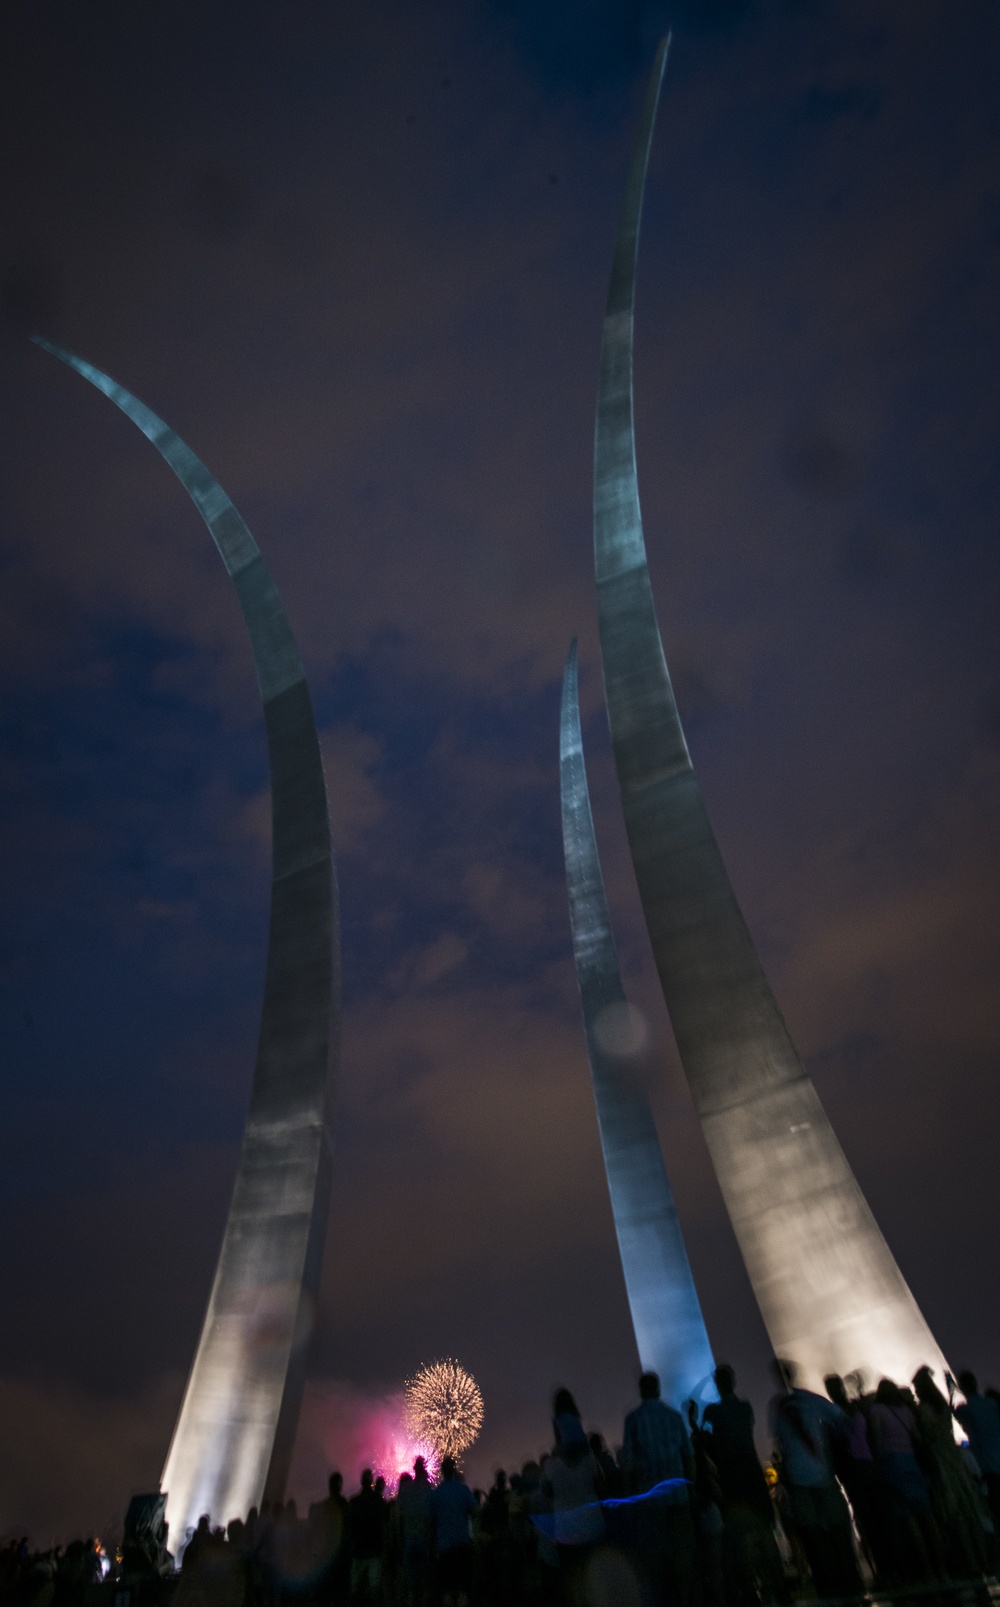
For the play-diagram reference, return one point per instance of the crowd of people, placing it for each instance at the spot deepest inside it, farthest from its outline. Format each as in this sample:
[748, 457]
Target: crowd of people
[865, 1491]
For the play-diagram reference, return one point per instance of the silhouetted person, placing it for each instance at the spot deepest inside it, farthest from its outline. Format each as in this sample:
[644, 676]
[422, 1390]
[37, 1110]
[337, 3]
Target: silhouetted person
[802, 1425]
[535, 1551]
[751, 1560]
[495, 1516]
[567, 1425]
[328, 1529]
[453, 1506]
[954, 1500]
[656, 1449]
[495, 1537]
[197, 1545]
[979, 1415]
[656, 1443]
[366, 1527]
[610, 1474]
[289, 1552]
[854, 1463]
[413, 1518]
[75, 1572]
[892, 1432]
[212, 1569]
[572, 1477]
[706, 1512]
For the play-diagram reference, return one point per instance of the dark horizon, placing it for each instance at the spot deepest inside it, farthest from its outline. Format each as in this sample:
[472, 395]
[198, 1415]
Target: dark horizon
[358, 261]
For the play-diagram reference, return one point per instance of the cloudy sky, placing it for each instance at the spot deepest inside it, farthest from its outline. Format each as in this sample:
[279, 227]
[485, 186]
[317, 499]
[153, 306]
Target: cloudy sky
[356, 255]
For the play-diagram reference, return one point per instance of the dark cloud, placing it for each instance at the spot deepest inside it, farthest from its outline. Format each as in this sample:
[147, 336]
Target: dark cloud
[827, 105]
[697, 696]
[30, 293]
[817, 462]
[990, 719]
[869, 557]
[218, 198]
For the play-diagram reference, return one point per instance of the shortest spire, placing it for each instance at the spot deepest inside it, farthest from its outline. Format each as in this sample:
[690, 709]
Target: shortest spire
[669, 1328]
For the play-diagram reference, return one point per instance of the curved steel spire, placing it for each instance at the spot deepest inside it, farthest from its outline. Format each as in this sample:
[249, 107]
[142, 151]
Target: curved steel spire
[669, 1327]
[234, 1436]
[831, 1295]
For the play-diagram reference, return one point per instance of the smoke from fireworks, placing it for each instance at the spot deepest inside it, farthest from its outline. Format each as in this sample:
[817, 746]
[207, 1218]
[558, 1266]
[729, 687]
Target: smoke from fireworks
[396, 1453]
[444, 1406]
[348, 1428]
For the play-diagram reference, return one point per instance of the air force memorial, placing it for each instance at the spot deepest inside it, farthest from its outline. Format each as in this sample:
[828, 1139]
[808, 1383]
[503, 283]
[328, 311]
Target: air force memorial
[829, 1290]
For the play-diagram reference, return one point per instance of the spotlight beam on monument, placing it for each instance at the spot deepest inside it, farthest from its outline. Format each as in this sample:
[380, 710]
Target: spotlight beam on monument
[233, 1441]
[669, 1328]
[829, 1290]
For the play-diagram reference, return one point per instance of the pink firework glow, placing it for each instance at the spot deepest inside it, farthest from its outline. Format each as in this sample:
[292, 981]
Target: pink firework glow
[343, 1428]
[397, 1456]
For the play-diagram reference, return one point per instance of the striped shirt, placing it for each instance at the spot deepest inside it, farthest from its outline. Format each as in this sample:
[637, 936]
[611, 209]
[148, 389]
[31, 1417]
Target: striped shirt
[656, 1447]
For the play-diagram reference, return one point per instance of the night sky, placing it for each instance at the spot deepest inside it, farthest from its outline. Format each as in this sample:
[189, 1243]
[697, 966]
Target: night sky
[356, 254]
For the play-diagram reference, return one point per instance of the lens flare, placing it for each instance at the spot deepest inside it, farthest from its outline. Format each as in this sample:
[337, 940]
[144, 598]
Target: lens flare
[444, 1406]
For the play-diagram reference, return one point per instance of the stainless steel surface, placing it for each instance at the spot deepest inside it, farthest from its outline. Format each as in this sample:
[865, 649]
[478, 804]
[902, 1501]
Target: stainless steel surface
[669, 1327]
[831, 1294]
[233, 1440]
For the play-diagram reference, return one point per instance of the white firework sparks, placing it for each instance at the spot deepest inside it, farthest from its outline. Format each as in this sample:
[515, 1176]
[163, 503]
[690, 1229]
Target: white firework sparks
[444, 1405]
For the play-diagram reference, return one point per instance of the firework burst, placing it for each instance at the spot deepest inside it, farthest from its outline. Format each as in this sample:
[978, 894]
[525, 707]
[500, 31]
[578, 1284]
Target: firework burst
[444, 1406]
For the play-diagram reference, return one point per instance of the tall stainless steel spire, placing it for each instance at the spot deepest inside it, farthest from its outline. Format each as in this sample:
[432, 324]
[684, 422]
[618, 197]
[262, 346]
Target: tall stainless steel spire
[233, 1440]
[831, 1295]
[669, 1327]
